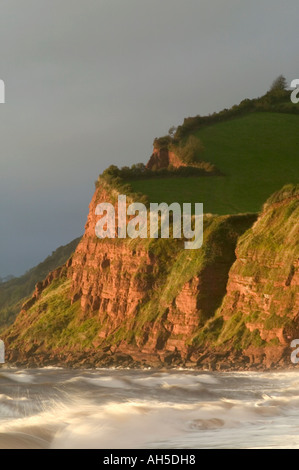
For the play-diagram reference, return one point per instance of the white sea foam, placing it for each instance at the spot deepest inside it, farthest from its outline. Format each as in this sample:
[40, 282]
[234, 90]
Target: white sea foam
[18, 376]
[129, 409]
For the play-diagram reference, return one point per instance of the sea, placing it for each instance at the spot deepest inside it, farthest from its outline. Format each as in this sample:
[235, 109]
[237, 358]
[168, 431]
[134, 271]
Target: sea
[55, 408]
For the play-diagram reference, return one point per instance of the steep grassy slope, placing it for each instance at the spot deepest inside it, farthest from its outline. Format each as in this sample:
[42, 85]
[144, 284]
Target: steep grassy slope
[258, 154]
[14, 292]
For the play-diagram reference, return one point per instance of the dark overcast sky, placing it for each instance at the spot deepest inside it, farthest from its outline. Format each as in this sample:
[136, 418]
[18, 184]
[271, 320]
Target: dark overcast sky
[90, 83]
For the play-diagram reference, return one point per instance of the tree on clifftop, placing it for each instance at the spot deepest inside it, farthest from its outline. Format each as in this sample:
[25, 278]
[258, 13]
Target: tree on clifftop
[279, 83]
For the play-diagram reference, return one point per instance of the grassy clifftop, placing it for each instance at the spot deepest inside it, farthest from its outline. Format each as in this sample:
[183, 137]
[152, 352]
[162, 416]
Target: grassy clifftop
[257, 154]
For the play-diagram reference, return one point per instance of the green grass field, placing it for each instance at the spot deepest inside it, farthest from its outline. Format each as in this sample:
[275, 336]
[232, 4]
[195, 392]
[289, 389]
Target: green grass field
[258, 154]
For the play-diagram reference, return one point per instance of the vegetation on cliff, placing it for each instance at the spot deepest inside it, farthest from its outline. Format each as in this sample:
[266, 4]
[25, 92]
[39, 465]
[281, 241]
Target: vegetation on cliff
[233, 303]
[259, 313]
[152, 302]
[55, 325]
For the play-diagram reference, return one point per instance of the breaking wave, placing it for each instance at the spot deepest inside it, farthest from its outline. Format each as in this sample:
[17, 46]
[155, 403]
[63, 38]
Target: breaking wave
[58, 408]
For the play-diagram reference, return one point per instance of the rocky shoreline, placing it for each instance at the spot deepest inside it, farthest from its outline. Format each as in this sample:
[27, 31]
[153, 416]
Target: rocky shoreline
[225, 362]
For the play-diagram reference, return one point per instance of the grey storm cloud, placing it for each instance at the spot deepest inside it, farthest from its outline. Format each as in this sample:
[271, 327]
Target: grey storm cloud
[90, 83]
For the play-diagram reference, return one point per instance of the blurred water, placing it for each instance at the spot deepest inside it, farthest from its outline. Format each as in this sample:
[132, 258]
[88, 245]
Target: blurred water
[59, 408]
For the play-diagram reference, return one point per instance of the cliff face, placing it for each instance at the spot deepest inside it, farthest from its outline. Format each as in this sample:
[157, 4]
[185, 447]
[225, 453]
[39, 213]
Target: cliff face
[104, 272]
[123, 301]
[142, 300]
[162, 158]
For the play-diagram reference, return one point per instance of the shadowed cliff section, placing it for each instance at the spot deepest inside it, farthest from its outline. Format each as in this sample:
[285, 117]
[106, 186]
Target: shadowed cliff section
[260, 312]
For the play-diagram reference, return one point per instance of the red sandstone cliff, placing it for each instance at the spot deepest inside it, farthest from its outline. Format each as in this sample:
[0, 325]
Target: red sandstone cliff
[263, 286]
[162, 158]
[152, 302]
